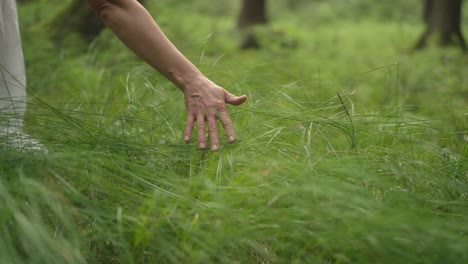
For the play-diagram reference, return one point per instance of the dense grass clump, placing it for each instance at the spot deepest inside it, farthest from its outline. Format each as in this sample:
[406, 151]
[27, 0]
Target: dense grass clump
[351, 149]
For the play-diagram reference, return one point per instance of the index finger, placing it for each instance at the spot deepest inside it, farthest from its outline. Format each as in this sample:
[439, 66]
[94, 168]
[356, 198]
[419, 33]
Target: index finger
[227, 125]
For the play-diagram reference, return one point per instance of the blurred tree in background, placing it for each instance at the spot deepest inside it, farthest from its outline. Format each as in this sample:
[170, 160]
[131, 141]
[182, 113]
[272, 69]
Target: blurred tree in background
[442, 18]
[443, 22]
[252, 12]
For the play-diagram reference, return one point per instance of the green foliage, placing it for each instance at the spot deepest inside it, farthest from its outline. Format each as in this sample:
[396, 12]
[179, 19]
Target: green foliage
[350, 150]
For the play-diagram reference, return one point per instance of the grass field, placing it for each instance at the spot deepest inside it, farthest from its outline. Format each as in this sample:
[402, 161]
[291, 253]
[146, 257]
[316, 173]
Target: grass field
[351, 148]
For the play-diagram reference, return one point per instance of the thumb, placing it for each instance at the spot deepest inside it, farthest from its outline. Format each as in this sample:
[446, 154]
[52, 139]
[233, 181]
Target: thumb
[234, 100]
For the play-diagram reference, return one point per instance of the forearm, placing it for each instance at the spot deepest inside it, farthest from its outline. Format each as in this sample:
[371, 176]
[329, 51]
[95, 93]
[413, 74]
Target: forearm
[135, 27]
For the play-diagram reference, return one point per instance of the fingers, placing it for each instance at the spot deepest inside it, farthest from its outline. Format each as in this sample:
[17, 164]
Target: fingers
[234, 100]
[188, 128]
[212, 129]
[201, 131]
[213, 132]
[205, 111]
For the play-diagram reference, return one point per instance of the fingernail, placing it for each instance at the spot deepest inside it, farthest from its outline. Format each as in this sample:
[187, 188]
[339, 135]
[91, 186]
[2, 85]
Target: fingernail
[231, 139]
[186, 138]
[201, 146]
[214, 147]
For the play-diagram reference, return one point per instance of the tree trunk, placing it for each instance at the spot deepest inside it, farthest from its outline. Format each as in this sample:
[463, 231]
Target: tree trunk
[253, 12]
[76, 17]
[443, 20]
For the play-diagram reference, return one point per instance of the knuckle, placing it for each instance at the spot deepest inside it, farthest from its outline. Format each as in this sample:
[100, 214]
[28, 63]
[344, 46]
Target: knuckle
[221, 106]
[212, 128]
[226, 122]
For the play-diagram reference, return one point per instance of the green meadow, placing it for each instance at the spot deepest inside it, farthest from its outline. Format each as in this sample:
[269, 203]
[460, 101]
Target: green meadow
[351, 147]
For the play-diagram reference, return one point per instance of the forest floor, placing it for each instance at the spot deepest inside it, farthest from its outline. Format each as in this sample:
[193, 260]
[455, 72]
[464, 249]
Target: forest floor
[352, 148]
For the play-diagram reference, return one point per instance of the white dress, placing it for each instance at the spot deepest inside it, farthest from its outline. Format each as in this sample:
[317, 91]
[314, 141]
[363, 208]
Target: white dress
[12, 72]
[13, 84]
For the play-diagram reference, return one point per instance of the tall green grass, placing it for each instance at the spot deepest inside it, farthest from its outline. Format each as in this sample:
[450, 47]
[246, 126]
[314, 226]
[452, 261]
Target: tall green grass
[343, 155]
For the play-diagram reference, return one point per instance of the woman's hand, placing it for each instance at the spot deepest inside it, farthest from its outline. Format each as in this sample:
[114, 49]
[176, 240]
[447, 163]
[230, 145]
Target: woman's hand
[205, 102]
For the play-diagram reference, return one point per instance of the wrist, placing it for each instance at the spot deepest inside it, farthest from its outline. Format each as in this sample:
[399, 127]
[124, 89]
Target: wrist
[186, 80]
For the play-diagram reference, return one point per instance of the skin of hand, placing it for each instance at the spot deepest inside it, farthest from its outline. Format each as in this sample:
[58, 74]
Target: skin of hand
[205, 101]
